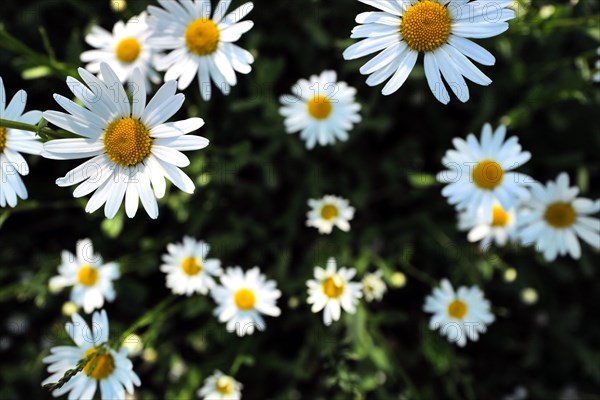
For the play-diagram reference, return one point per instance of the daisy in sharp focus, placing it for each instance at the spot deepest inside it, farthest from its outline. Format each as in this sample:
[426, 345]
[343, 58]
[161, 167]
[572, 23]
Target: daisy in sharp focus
[373, 286]
[187, 268]
[12, 143]
[321, 108]
[219, 386]
[132, 147]
[106, 368]
[243, 297]
[459, 315]
[328, 212]
[201, 46]
[440, 29]
[501, 229]
[557, 218]
[332, 290]
[92, 280]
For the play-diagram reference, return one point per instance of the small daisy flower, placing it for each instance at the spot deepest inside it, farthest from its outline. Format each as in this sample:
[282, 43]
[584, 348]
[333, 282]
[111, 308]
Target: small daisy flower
[321, 108]
[501, 228]
[219, 386]
[557, 218]
[479, 172]
[243, 297]
[332, 290]
[124, 50]
[187, 268]
[373, 286]
[12, 143]
[133, 147]
[596, 76]
[328, 212]
[92, 280]
[201, 46]
[107, 368]
[459, 315]
[440, 29]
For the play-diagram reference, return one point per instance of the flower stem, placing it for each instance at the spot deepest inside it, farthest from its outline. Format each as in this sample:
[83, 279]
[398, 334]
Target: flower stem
[38, 129]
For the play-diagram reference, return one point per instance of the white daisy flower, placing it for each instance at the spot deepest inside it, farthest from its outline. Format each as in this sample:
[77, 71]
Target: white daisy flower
[92, 280]
[373, 286]
[479, 173]
[557, 217]
[201, 46]
[187, 268]
[219, 386]
[499, 230]
[596, 76]
[321, 108]
[332, 290]
[124, 50]
[328, 212]
[107, 368]
[133, 148]
[12, 143]
[243, 297]
[459, 315]
[438, 28]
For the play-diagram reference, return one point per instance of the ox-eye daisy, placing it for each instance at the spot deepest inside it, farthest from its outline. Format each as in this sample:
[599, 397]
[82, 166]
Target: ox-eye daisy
[243, 297]
[219, 386]
[201, 46]
[501, 228]
[133, 147]
[437, 28]
[329, 211]
[373, 286]
[321, 108]
[107, 368]
[596, 76]
[557, 217]
[459, 315]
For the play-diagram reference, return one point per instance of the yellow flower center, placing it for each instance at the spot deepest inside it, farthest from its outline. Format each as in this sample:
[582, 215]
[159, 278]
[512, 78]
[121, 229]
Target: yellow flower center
[191, 266]
[426, 26]
[560, 215]
[104, 364]
[244, 299]
[225, 385]
[319, 107]
[457, 309]
[3, 137]
[128, 50]
[87, 275]
[333, 287]
[202, 36]
[488, 175]
[127, 141]
[499, 216]
[329, 212]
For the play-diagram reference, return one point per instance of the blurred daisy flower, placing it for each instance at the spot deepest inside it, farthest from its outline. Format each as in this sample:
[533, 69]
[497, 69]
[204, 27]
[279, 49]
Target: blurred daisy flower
[373, 286]
[459, 315]
[187, 268]
[201, 46]
[107, 368]
[501, 228]
[133, 148]
[328, 212]
[557, 218]
[437, 28]
[12, 143]
[321, 108]
[124, 50]
[219, 386]
[596, 76]
[92, 280]
[332, 290]
[243, 297]
[479, 172]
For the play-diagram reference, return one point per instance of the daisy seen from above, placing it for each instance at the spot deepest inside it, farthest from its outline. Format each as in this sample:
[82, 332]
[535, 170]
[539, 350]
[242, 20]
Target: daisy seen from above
[501, 229]
[329, 211]
[219, 386]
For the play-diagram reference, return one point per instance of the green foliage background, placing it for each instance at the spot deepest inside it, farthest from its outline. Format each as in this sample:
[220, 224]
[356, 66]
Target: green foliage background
[253, 182]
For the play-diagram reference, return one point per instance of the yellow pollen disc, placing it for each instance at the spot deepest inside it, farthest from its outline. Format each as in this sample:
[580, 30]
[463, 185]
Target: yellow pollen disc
[104, 364]
[225, 385]
[560, 215]
[127, 141]
[202, 37]
[87, 275]
[426, 25]
[333, 287]
[3, 138]
[191, 266]
[458, 309]
[329, 212]
[319, 107]
[244, 299]
[128, 50]
[499, 216]
[488, 175]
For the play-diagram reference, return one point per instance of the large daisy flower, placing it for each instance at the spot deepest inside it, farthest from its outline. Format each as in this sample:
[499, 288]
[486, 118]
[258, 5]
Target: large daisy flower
[12, 143]
[321, 108]
[329, 211]
[440, 29]
[107, 368]
[557, 217]
[133, 148]
[219, 386]
[501, 229]
[201, 46]
[243, 297]
[479, 172]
